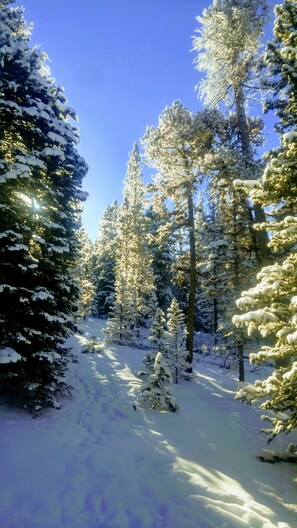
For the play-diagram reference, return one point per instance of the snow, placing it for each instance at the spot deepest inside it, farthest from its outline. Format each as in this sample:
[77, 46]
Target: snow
[14, 174]
[98, 463]
[290, 136]
[18, 247]
[246, 183]
[48, 151]
[56, 137]
[261, 316]
[50, 356]
[53, 318]
[42, 295]
[292, 338]
[9, 355]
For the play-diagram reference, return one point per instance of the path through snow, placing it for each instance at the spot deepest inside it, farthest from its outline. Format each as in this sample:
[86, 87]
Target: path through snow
[97, 463]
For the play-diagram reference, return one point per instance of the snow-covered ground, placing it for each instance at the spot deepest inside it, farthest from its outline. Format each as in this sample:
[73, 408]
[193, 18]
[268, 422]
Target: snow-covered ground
[98, 463]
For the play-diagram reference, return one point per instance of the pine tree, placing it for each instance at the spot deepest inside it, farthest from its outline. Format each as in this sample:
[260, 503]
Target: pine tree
[162, 251]
[228, 256]
[176, 149]
[176, 336]
[138, 260]
[84, 272]
[272, 303]
[104, 260]
[120, 327]
[40, 177]
[227, 46]
[156, 389]
[156, 337]
[134, 281]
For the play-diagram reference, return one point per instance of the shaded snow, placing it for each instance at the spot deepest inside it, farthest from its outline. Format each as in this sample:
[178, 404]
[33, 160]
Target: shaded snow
[97, 463]
[9, 355]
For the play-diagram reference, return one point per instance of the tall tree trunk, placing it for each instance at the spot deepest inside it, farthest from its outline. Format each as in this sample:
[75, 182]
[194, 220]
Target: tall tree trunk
[237, 287]
[240, 362]
[215, 315]
[192, 287]
[261, 237]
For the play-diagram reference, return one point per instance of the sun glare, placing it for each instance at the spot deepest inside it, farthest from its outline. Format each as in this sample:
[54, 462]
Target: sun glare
[31, 202]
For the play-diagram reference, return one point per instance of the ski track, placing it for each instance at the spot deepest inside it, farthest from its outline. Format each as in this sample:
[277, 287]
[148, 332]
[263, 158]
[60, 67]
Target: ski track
[97, 463]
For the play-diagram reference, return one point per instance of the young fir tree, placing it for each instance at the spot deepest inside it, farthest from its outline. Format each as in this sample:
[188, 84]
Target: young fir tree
[176, 149]
[134, 281]
[40, 178]
[228, 50]
[156, 337]
[176, 337]
[156, 389]
[272, 304]
[104, 261]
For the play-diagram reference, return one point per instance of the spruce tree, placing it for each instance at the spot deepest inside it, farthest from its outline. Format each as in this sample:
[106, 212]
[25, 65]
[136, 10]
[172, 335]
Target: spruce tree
[134, 299]
[272, 303]
[156, 338]
[161, 247]
[85, 272]
[104, 257]
[138, 260]
[228, 258]
[156, 389]
[228, 50]
[176, 337]
[120, 327]
[176, 148]
[40, 178]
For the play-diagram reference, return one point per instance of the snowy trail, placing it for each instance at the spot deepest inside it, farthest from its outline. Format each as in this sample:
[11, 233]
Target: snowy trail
[97, 463]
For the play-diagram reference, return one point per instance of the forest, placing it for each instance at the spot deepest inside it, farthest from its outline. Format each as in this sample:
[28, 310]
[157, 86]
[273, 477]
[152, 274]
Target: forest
[200, 262]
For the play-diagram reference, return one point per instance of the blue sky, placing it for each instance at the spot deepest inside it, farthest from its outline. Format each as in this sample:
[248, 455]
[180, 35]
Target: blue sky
[120, 62]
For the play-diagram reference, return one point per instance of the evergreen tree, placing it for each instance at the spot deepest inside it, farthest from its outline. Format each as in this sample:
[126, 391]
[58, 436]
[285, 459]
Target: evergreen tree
[176, 352]
[85, 249]
[176, 149]
[86, 299]
[104, 261]
[40, 177]
[84, 272]
[156, 337]
[228, 51]
[138, 260]
[120, 327]
[134, 281]
[162, 251]
[228, 256]
[272, 304]
[156, 389]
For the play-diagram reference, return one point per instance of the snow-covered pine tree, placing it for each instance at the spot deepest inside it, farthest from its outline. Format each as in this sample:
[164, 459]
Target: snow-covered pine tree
[140, 277]
[156, 338]
[228, 50]
[86, 297]
[40, 178]
[120, 327]
[134, 281]
[176, 337]
[272, 304]
[162, 251]
[156, 388]
[104, 260]
[176, 148]
[84, 272]
[227, 256]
